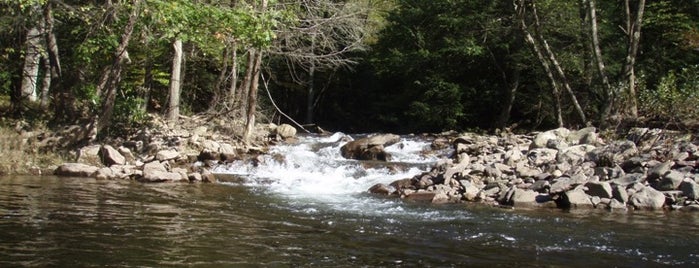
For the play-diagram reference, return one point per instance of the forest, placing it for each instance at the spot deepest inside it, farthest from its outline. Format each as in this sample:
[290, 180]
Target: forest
[401, 66]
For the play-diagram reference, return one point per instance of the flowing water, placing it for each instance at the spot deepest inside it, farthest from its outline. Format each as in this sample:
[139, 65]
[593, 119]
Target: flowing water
[312, 209]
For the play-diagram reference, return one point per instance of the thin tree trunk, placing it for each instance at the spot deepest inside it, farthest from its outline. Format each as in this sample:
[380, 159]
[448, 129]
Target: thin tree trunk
[608, 91]
[112, 75]
[252, 96]
[557, 66]
[520, 10]
[51, 44]
[234, 75]
[241, 95]
[310, 101]
[175, 85]
[634, 31]
[509, 100]
[32, 56]
[46, 83]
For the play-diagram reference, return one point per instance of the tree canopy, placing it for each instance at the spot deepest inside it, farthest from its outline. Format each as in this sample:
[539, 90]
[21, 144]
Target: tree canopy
[353, 65]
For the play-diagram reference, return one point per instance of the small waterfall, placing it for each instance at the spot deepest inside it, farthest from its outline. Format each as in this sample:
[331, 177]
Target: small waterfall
[313, 170]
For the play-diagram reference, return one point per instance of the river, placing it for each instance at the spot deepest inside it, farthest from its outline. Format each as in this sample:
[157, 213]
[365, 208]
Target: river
[312, 209]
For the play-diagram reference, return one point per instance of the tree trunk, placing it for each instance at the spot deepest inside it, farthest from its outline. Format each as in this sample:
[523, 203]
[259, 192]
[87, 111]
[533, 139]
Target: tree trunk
[234, 75]
[32, 57]
[46, 83]
[520, 9]
[554, 61]
[51, 44]
[608, 91]
[106, 89]
[241, 95]
[252, 96]
[310, 101]
[509, 101]
[633, 30]
[175, 85]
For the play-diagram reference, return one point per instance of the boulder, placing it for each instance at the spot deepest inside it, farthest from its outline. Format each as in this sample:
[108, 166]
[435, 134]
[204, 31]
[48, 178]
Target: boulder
[576, 198]
[524, 198]
[380, 189]
[600, 189]
[574, 155]
[613, 154]
[690, 189]
[586, 135]
[111, 156]
[285, 131]
[90, 155]
[75, 170]
[540, 156]
[421, 196]
[671, 181]
[369, 148]
[542, 139]
[647, 198]
[165, 155]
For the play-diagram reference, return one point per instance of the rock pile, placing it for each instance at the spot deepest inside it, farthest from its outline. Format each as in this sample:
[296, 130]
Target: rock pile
[179, 153]
[561, 168]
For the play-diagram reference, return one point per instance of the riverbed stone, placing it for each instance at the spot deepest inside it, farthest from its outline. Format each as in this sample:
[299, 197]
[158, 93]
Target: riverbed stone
[285, 131]
[369, 148]
[671, 181]
[75, 170]
[380, 189]
[600, 189]
[575, 198]
[90, 155]
[647, 198]
[690, 189]
[165, 155]
[111, 156]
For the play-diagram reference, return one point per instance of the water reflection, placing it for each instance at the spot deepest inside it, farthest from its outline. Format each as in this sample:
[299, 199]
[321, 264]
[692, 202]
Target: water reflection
[83, 222]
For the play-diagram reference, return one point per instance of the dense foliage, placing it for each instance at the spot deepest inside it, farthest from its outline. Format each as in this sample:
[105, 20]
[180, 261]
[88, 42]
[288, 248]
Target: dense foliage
[354, 65]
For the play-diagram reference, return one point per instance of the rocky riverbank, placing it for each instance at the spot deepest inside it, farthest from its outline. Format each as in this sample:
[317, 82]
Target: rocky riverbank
[651, 169]
[182, 152]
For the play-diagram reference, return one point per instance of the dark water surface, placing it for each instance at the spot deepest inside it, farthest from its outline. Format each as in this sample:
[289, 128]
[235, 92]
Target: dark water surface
[77, 222]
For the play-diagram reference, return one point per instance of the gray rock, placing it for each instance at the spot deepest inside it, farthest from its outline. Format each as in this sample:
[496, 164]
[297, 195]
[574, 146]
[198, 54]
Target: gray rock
[561, 184]
[583, 136]
[616, 205]
[104, 173]
[540, 156]
[690, 189]
[513, 156]
[599, 189]
[540, 186]
[470, 190]
[647, 198]
[629, 179]
[671, 181]
[541, 139]
[111, 156]
[523, 198]
[613, 154]
[380, 189]
[90, 155]
[576, 198]
[658, 171]
[75, 170]
[285, 131]
[574, 155]
[165, 155]
[619, 193]
[370, 148]
[523, 171]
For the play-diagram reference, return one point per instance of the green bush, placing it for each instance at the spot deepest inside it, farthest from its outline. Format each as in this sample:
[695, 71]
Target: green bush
[675, 98]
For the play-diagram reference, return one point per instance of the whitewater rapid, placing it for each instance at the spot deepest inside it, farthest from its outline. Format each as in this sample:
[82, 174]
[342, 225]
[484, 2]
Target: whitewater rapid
[312, 170]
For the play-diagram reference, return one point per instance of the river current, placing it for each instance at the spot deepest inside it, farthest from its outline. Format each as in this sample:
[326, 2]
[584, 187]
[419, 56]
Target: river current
[312, 209]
